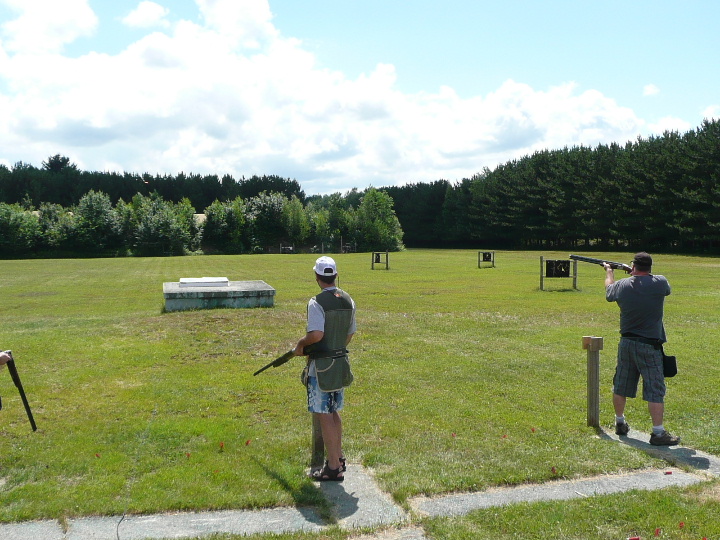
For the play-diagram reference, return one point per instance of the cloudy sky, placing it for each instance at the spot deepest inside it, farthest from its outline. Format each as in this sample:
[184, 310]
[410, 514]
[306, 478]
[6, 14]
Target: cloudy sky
[340, 94]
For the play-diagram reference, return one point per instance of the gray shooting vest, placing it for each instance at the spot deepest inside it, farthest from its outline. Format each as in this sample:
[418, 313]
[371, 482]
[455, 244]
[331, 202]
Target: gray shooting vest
[330, 355]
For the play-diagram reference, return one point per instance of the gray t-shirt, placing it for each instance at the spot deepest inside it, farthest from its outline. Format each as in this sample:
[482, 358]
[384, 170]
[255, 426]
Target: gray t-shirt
[641, 300]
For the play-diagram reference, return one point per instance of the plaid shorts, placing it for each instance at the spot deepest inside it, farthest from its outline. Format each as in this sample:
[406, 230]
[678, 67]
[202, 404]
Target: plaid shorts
[323, 402]
[636, 359]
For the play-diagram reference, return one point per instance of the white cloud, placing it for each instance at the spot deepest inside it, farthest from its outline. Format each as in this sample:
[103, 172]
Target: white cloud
[229, 94]
[650, 90]
[246, 22]
[669, 123]
[713, 111]
[147, 15]
[45, 26]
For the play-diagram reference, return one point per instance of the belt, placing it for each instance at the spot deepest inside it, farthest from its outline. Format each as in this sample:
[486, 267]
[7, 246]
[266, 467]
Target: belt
[332, 353]
[633, 337]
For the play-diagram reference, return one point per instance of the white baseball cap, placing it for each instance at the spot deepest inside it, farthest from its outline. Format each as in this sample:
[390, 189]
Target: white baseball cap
[325, 266]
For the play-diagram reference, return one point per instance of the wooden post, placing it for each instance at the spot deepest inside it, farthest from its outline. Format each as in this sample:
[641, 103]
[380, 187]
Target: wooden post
[542, 273]
[574, 275]
[317, 458]
[593, 345]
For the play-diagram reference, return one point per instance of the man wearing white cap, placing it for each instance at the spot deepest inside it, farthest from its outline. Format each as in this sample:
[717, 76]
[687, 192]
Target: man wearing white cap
[330, 327]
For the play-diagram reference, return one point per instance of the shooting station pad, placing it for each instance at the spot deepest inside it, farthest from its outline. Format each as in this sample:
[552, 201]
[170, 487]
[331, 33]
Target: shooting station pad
[211, 293]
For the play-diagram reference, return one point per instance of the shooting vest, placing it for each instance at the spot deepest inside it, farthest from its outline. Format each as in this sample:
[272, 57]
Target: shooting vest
[329, 354]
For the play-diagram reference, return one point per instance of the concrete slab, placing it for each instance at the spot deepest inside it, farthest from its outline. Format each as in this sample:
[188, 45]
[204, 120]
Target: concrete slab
[32, 530]
[359, 502]
[236, 294]
[462, 503]
[408, 533]
[279, 520]
[190, 524]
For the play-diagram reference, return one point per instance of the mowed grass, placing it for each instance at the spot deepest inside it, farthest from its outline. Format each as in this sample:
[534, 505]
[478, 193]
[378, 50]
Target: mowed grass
[466, 378]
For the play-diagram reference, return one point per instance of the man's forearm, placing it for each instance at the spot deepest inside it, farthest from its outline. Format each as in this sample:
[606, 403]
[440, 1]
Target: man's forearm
[609, 275]
[307, 340]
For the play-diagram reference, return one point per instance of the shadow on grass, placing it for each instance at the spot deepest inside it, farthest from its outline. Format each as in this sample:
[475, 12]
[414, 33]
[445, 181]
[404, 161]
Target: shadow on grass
[672, 454]
[306, 498]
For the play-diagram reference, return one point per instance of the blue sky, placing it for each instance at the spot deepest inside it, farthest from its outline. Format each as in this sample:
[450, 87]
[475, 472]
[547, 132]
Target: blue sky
[341, 94]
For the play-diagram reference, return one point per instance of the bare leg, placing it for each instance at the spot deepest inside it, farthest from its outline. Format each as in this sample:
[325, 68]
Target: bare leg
[657, 411]
[619, 404]
[331, 427]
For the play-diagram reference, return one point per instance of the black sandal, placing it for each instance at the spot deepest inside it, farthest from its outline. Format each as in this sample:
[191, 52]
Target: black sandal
[326, 474]
[343, 465]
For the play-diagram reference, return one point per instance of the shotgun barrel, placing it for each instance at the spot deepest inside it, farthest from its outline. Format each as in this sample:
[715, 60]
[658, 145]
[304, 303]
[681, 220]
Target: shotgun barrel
[601, 262]
[18, 383]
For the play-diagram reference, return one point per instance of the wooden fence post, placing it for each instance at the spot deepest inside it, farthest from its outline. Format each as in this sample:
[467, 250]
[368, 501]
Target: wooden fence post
[593, 345]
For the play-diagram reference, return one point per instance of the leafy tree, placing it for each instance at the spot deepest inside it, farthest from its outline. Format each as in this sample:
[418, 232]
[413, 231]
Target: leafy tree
[159, 228]
[97, 226]
[379, 226]
[296, 221]
[265, 217]
[19, 230]
[225, 226]
[57, 226]
[319, 226]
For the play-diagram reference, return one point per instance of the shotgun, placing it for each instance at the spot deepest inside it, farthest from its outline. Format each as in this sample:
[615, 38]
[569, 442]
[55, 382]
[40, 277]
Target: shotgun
[279, 361]
[16, 379]
[601, 262]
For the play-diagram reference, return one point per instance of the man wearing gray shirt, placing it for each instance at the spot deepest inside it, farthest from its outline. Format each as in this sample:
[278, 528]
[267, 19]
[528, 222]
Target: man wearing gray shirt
[330, 327]
[641, 298]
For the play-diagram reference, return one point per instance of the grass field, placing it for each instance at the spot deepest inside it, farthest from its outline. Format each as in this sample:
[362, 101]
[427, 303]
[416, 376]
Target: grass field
[466, 378]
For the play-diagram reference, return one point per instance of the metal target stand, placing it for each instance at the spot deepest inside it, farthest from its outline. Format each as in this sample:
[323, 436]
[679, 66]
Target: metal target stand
[486, 257]
[557, 268]
[377, 259]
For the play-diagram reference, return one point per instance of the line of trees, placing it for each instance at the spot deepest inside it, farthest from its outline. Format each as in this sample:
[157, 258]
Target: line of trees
[151, 225]
[60, 181]
[659, 193]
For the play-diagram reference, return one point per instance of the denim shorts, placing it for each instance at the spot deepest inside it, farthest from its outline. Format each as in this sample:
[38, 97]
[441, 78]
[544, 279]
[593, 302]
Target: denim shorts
[635, 360]
[323, 402]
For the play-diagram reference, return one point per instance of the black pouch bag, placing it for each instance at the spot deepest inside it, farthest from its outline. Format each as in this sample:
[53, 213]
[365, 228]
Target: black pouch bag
[669, 365]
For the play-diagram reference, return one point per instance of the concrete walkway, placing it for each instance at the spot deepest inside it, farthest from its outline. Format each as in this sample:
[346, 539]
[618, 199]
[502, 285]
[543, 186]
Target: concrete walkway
[359, 503]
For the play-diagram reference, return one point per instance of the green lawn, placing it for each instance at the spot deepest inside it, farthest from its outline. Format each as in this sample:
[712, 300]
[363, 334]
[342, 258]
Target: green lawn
[465, 378]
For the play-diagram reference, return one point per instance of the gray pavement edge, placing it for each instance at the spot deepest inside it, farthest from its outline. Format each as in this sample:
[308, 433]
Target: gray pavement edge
[359, 503]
